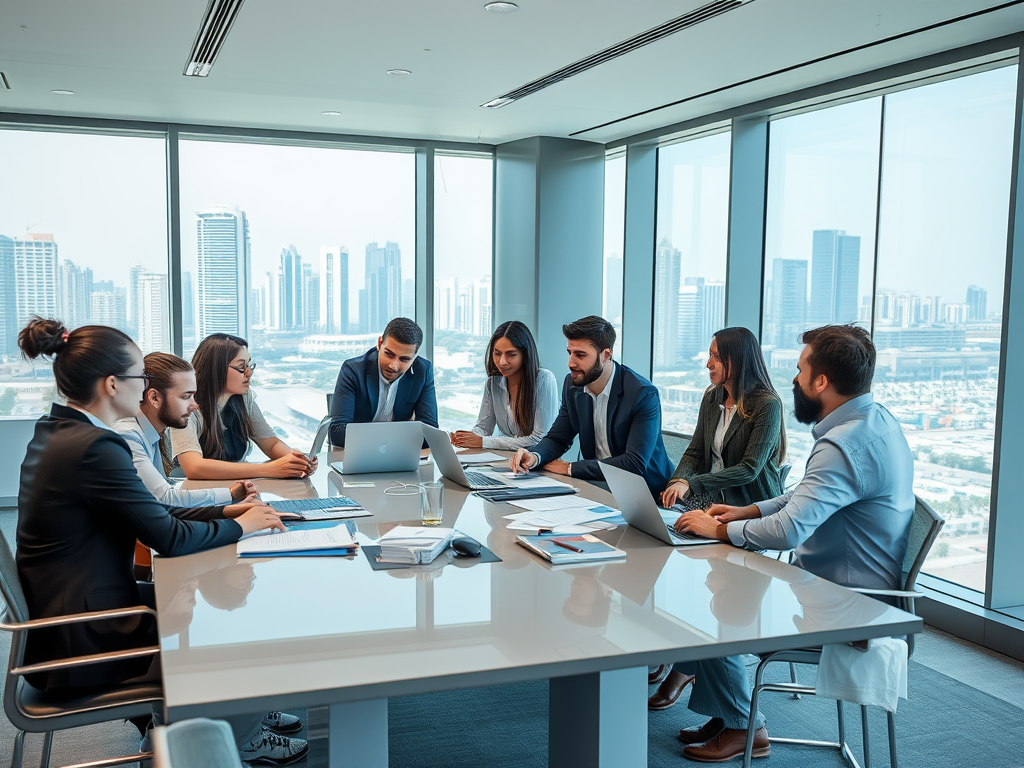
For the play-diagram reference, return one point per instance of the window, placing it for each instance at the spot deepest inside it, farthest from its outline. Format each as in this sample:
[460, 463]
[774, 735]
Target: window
[689, 287]
[83, 238]
[463, 196]
[819, 238]
[306, 251]
[614, 240]
[938, 307]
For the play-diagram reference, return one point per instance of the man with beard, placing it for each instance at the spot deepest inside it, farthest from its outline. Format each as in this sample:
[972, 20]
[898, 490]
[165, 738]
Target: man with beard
[847, 518]
[615, 412]
[167, 402]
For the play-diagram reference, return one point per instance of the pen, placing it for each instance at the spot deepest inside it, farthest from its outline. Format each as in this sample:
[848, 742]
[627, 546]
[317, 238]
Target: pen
[567, 546]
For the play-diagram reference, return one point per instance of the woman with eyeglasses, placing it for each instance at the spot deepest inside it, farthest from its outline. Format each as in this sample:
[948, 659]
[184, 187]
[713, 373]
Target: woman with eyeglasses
[215, 442]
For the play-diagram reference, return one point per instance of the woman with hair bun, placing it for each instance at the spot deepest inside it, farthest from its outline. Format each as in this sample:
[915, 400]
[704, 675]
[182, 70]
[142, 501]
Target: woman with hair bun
[81, 507]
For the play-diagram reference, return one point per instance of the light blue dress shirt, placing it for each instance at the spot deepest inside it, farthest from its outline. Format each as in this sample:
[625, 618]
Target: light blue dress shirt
[848, 518]
[496, 411]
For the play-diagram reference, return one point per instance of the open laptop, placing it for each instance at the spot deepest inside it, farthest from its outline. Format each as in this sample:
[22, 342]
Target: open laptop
[322, 431]
[639, 510]
[448, 462]
[381, 446]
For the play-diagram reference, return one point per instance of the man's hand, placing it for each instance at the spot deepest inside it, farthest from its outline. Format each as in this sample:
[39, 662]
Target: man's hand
[557, 466]
[726, 514]
[522, 461]
[697, 522]
[257, 517]
[465, 439]
[677, 489]
[243, 489]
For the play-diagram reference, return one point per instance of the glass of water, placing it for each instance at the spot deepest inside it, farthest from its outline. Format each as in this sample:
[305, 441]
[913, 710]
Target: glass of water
[431, 503]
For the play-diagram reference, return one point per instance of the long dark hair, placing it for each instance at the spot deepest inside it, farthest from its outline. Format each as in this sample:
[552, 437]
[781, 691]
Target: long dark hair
[210, 361]
[745, 367]
[80, 357]
[524, 407]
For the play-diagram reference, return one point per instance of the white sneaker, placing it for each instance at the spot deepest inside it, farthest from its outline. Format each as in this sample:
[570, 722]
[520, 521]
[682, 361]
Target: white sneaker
[269, 748]
[282, 723]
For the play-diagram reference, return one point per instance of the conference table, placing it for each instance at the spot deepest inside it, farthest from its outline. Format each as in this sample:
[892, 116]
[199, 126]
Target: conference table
[250, 635]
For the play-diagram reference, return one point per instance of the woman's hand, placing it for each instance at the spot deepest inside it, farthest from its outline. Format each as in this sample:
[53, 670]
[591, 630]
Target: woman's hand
[677, 489]
[258, 517]
[244, 490]
[465, 439]
[292, 464]
[726, 514]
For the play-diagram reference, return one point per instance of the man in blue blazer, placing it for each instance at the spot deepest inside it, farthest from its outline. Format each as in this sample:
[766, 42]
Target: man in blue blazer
[389, 383]
[615, 412]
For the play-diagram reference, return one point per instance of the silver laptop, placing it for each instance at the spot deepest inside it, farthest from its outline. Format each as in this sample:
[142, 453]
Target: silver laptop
[381, 446]
[448, 462]
[321, 435]
[638, 508]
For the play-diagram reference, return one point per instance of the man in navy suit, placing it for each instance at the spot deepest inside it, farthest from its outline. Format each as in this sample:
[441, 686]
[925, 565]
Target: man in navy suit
[615, 412]
[388, 383]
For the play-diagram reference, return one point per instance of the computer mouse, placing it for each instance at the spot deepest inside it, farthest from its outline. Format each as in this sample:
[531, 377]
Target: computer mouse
[463, 546]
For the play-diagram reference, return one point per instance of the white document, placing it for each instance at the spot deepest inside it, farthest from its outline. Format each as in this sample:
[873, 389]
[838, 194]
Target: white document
[553, 502]
[564, 530]
[337, 537]
[482, 458]
[571, 516]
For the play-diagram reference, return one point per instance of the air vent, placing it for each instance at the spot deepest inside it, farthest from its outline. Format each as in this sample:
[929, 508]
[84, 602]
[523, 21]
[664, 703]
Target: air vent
[696, 16]
[213, 31]
[5, 84]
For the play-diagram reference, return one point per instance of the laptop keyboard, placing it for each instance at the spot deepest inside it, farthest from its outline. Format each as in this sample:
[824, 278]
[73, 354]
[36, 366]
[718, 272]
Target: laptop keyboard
[480, 480]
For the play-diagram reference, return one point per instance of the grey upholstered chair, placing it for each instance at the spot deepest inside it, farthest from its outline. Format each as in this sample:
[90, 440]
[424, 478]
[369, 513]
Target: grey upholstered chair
[190, 743]
[34, 711]
[925, 525]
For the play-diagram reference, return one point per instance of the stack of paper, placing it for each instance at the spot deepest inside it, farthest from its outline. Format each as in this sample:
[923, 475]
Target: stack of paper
[481, 458]
[413, 546]
[560, 514]
[316, 541]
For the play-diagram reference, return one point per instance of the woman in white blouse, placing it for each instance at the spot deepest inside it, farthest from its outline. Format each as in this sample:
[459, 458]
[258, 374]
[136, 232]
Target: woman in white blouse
[520, 397]
[217, 437]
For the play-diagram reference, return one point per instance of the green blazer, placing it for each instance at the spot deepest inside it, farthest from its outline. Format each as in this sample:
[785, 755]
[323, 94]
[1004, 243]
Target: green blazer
[751, 450]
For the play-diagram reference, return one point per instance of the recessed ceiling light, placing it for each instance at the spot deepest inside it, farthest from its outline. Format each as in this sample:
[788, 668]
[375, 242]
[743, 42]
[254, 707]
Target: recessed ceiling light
[398, 72]
[331, 113]
[501, 7]
[62, 92]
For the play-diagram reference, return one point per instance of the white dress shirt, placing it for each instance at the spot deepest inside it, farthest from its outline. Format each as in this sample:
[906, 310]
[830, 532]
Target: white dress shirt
[717, 464]
[601, 417]
[496, 411]
[386, 394]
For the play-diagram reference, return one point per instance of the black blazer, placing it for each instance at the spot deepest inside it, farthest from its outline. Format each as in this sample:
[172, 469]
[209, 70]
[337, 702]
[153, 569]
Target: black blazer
[81, 506]
[358, 390]
[634, 430]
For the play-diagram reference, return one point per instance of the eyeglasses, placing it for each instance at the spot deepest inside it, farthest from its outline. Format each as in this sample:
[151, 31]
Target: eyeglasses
[250, 366]
[146, 377]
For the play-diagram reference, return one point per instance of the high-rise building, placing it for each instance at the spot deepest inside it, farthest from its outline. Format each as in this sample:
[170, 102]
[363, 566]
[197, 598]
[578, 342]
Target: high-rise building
[223, 275]
[446, 297]
[666, 305]
[154, 330]
[789, 302]
[835, 276]
[310, 299]
[75, 290]
[957, 314]
[271, 287]
[334, 289]
[688, 333]
[290, 289]
[108, 308]
[977, 298]
[482, 320]
[613, 288]
[8, 299]
[135, 315]
[383, 284]
[712, 310]
[36, 277]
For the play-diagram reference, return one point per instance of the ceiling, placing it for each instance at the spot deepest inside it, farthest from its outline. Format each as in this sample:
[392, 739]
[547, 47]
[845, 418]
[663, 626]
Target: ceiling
[284, 63]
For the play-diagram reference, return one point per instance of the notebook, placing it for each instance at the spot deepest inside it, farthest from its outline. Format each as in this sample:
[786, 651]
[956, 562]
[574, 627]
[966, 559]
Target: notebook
[571, 549]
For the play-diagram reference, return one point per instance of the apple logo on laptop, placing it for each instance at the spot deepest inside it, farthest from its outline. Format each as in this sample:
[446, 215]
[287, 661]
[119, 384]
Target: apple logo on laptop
[384, 448]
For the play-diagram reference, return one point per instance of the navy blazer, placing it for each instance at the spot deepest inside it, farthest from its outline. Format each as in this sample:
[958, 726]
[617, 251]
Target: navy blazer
[634, 430]
[81, 506]
[358, 390]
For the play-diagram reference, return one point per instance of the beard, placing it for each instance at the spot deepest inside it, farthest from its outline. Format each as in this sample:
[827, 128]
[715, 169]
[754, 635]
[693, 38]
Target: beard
[589, 376]
[805, 409]
[165, 416]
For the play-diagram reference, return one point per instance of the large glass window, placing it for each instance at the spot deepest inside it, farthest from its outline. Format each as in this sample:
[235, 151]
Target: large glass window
[689, 288]
[83, 238]
[938, 309]
[463, 212]
[614, 240]
[819, 237]
[307, 251]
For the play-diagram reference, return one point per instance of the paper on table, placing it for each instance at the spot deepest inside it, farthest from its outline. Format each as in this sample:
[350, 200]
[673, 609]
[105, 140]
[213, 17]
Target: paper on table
[553, 502]
[337, 537]
[571, 516]
[482, 458]
[595, 525]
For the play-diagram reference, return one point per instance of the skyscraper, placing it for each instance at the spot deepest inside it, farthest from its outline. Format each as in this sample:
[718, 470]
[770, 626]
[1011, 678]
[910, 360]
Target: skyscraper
[8, 299]
[712, 310]
[334, 289]
[135, 315]
[977, 298]
[108, 308]
[789, 302]
[310, 298]
[75, 289]
[154, 331]
[36, 277]
[224, 258]
[666, 305]
[383, 285]
[290, 289]
[835, 273]
[688, 332]
[446, 297]
[272, 286]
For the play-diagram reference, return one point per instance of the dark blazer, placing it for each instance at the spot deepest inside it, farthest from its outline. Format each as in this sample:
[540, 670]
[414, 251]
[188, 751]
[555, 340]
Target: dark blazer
[358, 390]
[634, 430]
[751, 450]
[81, 506]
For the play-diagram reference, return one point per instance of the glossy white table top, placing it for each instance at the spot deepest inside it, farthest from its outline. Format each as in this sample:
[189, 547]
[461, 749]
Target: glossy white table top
[308, 631]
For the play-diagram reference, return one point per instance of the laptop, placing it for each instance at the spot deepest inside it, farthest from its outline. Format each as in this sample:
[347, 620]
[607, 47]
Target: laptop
[321, 435]
[448, 462]
[639, 510]
[381, 446]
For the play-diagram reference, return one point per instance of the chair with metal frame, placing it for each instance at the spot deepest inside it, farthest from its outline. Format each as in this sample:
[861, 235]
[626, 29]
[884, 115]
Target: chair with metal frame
[925, 525]
[34, 711]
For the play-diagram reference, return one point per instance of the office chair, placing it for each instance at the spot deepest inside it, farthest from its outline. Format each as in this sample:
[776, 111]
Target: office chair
[209, 743]
[925, 525]
[34, 711]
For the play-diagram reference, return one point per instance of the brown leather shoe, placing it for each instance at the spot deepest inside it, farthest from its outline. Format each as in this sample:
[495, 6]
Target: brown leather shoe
[706, 732]
[658, 675]
[668, 692]
[728, 744]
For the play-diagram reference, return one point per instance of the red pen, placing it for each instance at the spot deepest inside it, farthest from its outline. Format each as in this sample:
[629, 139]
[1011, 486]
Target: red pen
[567, 546]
